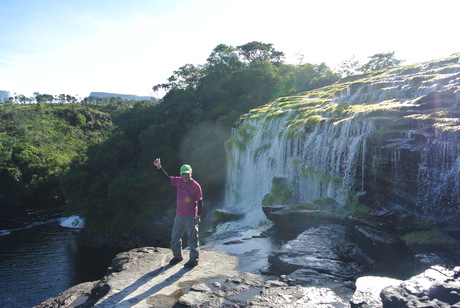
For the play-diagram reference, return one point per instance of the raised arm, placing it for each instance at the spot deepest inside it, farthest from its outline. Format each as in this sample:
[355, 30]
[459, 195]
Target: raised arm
[157, 163]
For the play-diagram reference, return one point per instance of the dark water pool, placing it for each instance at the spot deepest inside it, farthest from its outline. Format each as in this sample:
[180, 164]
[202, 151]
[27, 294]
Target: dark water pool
[40, 261]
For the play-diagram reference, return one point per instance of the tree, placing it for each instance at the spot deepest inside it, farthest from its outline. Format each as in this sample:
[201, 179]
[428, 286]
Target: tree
[379, 61]
[258, 51]
[22, 98]
[37, 145]
[61, 98]
[349, 67]
[43, 98]
[70, 99]
[224, 56]
[187, 76]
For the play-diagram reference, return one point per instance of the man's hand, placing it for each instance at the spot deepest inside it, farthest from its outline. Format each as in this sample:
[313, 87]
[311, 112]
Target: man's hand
[157, 163]
[197, 220]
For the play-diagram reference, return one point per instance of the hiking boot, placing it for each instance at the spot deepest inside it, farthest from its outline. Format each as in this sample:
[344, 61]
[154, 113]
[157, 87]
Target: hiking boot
[175, 260]
[191, 263]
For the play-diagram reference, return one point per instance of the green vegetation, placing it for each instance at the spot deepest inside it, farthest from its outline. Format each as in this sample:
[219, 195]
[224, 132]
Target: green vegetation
[376, 62]
[280, 192]
[444, 121]
[97, 154]
[223, 216]
[429, 240]
[245, 134]
[412, 222]
[37, 146]
[359, 210]
[323, 204]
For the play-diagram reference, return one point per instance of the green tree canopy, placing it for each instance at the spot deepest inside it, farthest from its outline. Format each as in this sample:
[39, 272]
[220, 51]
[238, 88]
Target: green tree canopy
[349, 67]
[38, 143]
[258, 51]
[379, 61]
[224, 57]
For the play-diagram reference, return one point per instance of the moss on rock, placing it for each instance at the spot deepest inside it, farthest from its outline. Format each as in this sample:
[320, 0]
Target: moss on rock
[430, 240]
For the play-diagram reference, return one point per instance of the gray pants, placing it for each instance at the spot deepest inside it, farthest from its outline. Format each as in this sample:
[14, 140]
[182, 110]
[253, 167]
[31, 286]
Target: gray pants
[184, 224]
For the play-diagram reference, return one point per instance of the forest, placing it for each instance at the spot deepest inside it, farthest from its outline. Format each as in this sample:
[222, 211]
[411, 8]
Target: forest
[95, 157]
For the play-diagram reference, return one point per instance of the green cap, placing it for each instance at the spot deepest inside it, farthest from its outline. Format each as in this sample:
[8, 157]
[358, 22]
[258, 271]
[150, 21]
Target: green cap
[185, 169]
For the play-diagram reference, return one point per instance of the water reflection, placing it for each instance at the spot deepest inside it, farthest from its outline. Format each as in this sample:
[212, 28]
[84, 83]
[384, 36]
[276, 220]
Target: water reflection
[251, 249]
[41, 261]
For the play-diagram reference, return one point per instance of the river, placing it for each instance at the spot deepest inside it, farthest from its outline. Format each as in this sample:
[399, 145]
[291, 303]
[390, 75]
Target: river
[39, 260]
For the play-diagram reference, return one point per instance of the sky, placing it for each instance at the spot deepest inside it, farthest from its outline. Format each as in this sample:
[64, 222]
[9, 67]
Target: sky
[127, 47]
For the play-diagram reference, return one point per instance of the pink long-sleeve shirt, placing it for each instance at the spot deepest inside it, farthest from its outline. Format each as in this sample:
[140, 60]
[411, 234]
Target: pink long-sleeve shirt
[188, 195]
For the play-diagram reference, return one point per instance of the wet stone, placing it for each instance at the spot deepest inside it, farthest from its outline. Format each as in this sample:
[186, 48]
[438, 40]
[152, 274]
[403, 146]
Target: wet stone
[317, 258]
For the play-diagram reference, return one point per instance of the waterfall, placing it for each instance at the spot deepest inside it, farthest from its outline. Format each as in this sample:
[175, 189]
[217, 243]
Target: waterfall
[391, 137]
[252, 164]
[320, 164]
[439, 174]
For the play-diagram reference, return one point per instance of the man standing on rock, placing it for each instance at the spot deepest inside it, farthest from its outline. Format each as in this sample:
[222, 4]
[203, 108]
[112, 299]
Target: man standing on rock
[188, 207]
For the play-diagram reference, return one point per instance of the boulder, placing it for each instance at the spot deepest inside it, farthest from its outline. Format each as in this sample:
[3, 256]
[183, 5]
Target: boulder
[436, 287]
[292, 222]
[312, 278]
[247, 289]
[71, 297]
[222, 216]
[378, 243]
[321, 257]
[368, 289]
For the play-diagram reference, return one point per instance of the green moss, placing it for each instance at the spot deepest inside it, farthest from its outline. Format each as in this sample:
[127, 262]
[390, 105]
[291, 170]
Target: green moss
[445, 121]
[359, 210]
[229, 143]
[274, 113]
[429, 240]
[295, 162]
[411, 222]
[301, 104]
[407, 70]
[260, 151]
[326, 178]
[263, 223]
[320, 101]
[242, 138]
[304, 125]
[325, 204]
[222, 216]
[280, 192]
[419, 79]
[301, 207]
[267, 200]
[312, 216]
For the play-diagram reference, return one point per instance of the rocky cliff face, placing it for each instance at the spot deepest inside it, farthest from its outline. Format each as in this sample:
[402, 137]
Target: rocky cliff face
[388, 140]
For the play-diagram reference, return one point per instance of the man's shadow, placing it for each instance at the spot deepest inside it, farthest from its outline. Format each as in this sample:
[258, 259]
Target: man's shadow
[117, 298]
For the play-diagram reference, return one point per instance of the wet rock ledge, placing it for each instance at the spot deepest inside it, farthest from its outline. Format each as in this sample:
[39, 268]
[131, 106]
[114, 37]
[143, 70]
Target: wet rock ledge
[143, 278]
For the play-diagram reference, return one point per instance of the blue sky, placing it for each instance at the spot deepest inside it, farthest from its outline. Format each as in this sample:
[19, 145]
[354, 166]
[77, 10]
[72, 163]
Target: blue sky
[126, 47]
